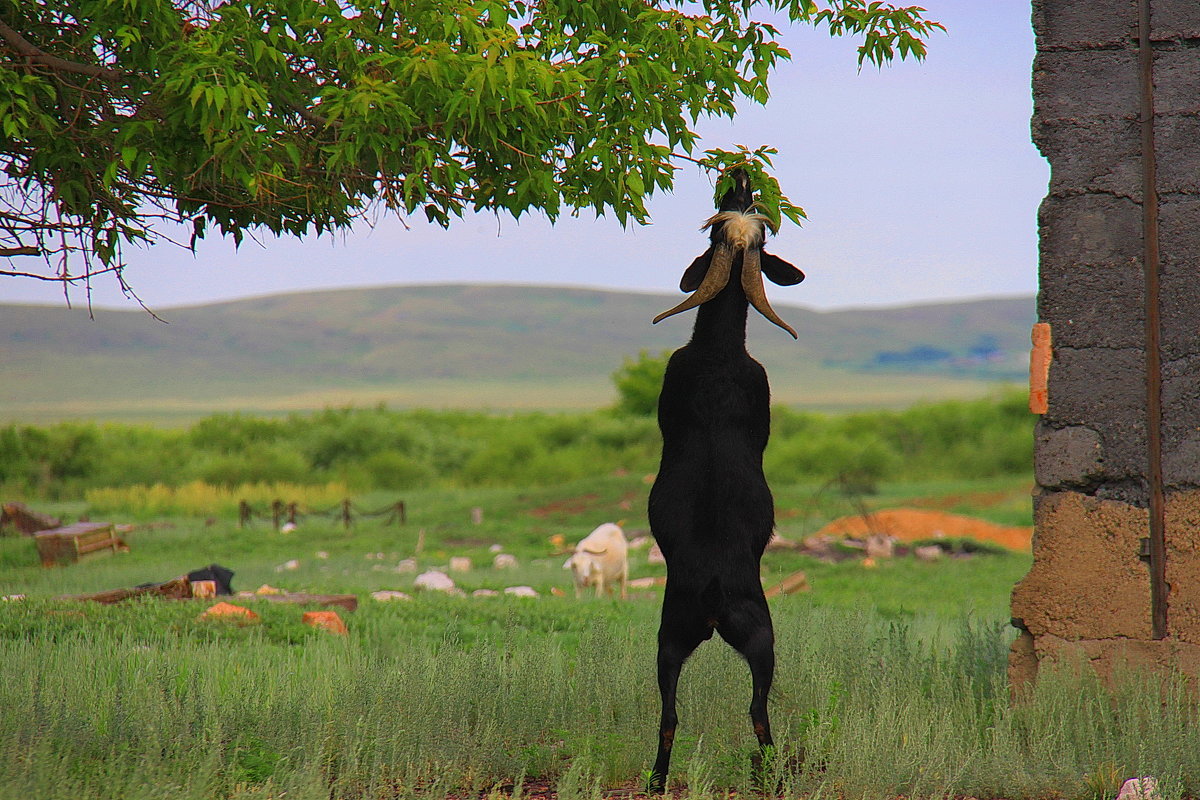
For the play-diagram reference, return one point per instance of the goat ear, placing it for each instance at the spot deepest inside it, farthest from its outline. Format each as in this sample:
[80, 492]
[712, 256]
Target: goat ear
[693, 276]
[779, 271]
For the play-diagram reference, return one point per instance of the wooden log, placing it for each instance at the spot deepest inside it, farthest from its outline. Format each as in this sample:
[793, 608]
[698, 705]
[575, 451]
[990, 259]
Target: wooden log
[175, 589]
[346, 601]
[792, 584]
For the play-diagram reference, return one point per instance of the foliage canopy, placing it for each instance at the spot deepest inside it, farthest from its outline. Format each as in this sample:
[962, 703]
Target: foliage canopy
[300, 116]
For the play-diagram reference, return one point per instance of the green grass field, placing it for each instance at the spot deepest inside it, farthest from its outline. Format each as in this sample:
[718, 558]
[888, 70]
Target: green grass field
[890, 681]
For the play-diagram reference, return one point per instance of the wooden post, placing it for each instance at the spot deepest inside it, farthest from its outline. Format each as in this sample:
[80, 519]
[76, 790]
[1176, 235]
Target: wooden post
[291, 511]
[277, 512]
[401, 513]
[243, 513]
[346, 513]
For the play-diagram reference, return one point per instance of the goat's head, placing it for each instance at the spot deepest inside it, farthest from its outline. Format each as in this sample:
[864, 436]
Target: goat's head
[736, 230]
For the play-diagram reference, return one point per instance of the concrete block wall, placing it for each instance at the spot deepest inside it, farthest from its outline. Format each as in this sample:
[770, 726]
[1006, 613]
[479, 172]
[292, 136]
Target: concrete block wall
[1089, 592]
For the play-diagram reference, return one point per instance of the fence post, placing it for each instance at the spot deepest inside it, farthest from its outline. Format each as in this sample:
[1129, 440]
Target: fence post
[346, 513]
[243, 513]
[402, 513]
[277, 512]
[291, 511]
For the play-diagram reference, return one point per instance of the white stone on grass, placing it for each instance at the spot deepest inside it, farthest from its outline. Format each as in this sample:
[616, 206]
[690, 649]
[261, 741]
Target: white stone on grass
[434, 581]
[521, 591]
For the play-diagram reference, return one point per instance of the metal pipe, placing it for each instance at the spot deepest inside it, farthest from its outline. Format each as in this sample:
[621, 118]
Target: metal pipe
[1151, 268]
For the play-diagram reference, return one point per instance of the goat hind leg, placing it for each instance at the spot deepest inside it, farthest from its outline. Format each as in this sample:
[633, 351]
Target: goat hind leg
[673, 649]
[746, 626]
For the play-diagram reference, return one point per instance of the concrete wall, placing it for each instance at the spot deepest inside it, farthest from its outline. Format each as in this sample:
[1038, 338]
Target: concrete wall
[1088, 592]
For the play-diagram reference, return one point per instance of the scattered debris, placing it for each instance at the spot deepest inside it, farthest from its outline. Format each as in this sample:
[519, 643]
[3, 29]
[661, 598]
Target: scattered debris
[557, 592]
[18, 517]
[325, 620]
[909, 524]
[230, 611]
[66, 545]
[870, 563]
[434, 581]
[521, 591]
[880, 545]
[267, 589]
[793, 584]
[387, 595]
[288, 565]
[504, 561]
[346, 601]
[204, 589]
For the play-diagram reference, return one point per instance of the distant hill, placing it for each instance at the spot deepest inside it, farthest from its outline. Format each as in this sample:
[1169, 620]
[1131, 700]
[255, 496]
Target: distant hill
[498, 347]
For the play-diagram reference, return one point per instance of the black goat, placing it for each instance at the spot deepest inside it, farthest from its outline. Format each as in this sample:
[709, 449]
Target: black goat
[711, 510]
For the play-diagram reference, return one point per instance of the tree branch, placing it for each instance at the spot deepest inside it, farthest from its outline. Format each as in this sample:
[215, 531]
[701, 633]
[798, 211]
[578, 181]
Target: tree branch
[36, 56]
[8, 252]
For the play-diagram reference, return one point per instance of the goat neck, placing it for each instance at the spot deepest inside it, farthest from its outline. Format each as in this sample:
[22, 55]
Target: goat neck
[721, 322]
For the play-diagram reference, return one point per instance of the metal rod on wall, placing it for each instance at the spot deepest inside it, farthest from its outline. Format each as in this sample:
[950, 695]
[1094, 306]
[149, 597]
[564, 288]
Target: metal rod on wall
[1151, 267]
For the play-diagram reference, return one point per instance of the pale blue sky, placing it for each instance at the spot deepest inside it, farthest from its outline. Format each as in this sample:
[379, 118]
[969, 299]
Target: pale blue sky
[919, 181]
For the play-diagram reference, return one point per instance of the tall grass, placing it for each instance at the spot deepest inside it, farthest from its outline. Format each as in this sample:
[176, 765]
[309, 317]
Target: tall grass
[863, 707]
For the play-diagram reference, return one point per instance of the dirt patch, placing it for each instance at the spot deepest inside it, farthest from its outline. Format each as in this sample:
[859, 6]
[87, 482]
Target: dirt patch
[572, 505]
[912, 524]
[977, 499]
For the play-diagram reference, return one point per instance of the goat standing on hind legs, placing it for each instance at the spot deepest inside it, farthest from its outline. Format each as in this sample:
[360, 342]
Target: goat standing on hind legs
[711, 510]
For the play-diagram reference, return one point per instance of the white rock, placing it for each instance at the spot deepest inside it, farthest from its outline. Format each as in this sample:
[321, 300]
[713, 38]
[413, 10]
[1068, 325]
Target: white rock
[1140, 789]
[12, 597]
[321, 554]
[386, 595]
[638, 542]
[485, 593]
[288, 565]
[407, 565]
[287, 527]
[496, 548]
[434, 581]
[655, 555]
[521, 591]
[460, 564]
[929, 552]
[504, 561]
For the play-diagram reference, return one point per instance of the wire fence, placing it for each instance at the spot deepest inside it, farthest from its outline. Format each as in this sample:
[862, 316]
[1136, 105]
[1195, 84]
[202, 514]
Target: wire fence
[281, 513]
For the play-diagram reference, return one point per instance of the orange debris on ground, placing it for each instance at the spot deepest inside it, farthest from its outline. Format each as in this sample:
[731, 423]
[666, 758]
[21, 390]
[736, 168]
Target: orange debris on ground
[325, 620]
[910, 524]
[239, 613]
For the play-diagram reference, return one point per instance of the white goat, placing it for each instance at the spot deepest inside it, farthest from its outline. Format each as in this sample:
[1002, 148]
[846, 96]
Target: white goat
[600, 559]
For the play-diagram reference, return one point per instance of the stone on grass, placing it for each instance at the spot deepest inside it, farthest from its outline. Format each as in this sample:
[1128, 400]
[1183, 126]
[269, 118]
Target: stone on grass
[321, 554]
[8, 598]
[504, 561]
[1140, 789]
[460, 564]
[386, 595]
[325, 620]
[267, 590]
[287, 527]
[655, 555]
[434, 581]
[406, 566]
[638, 542]
[880, 545]
[288, 565]
[521, 591]
[929, 552]
[229, 611]
[647, 583]
[496, 548]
